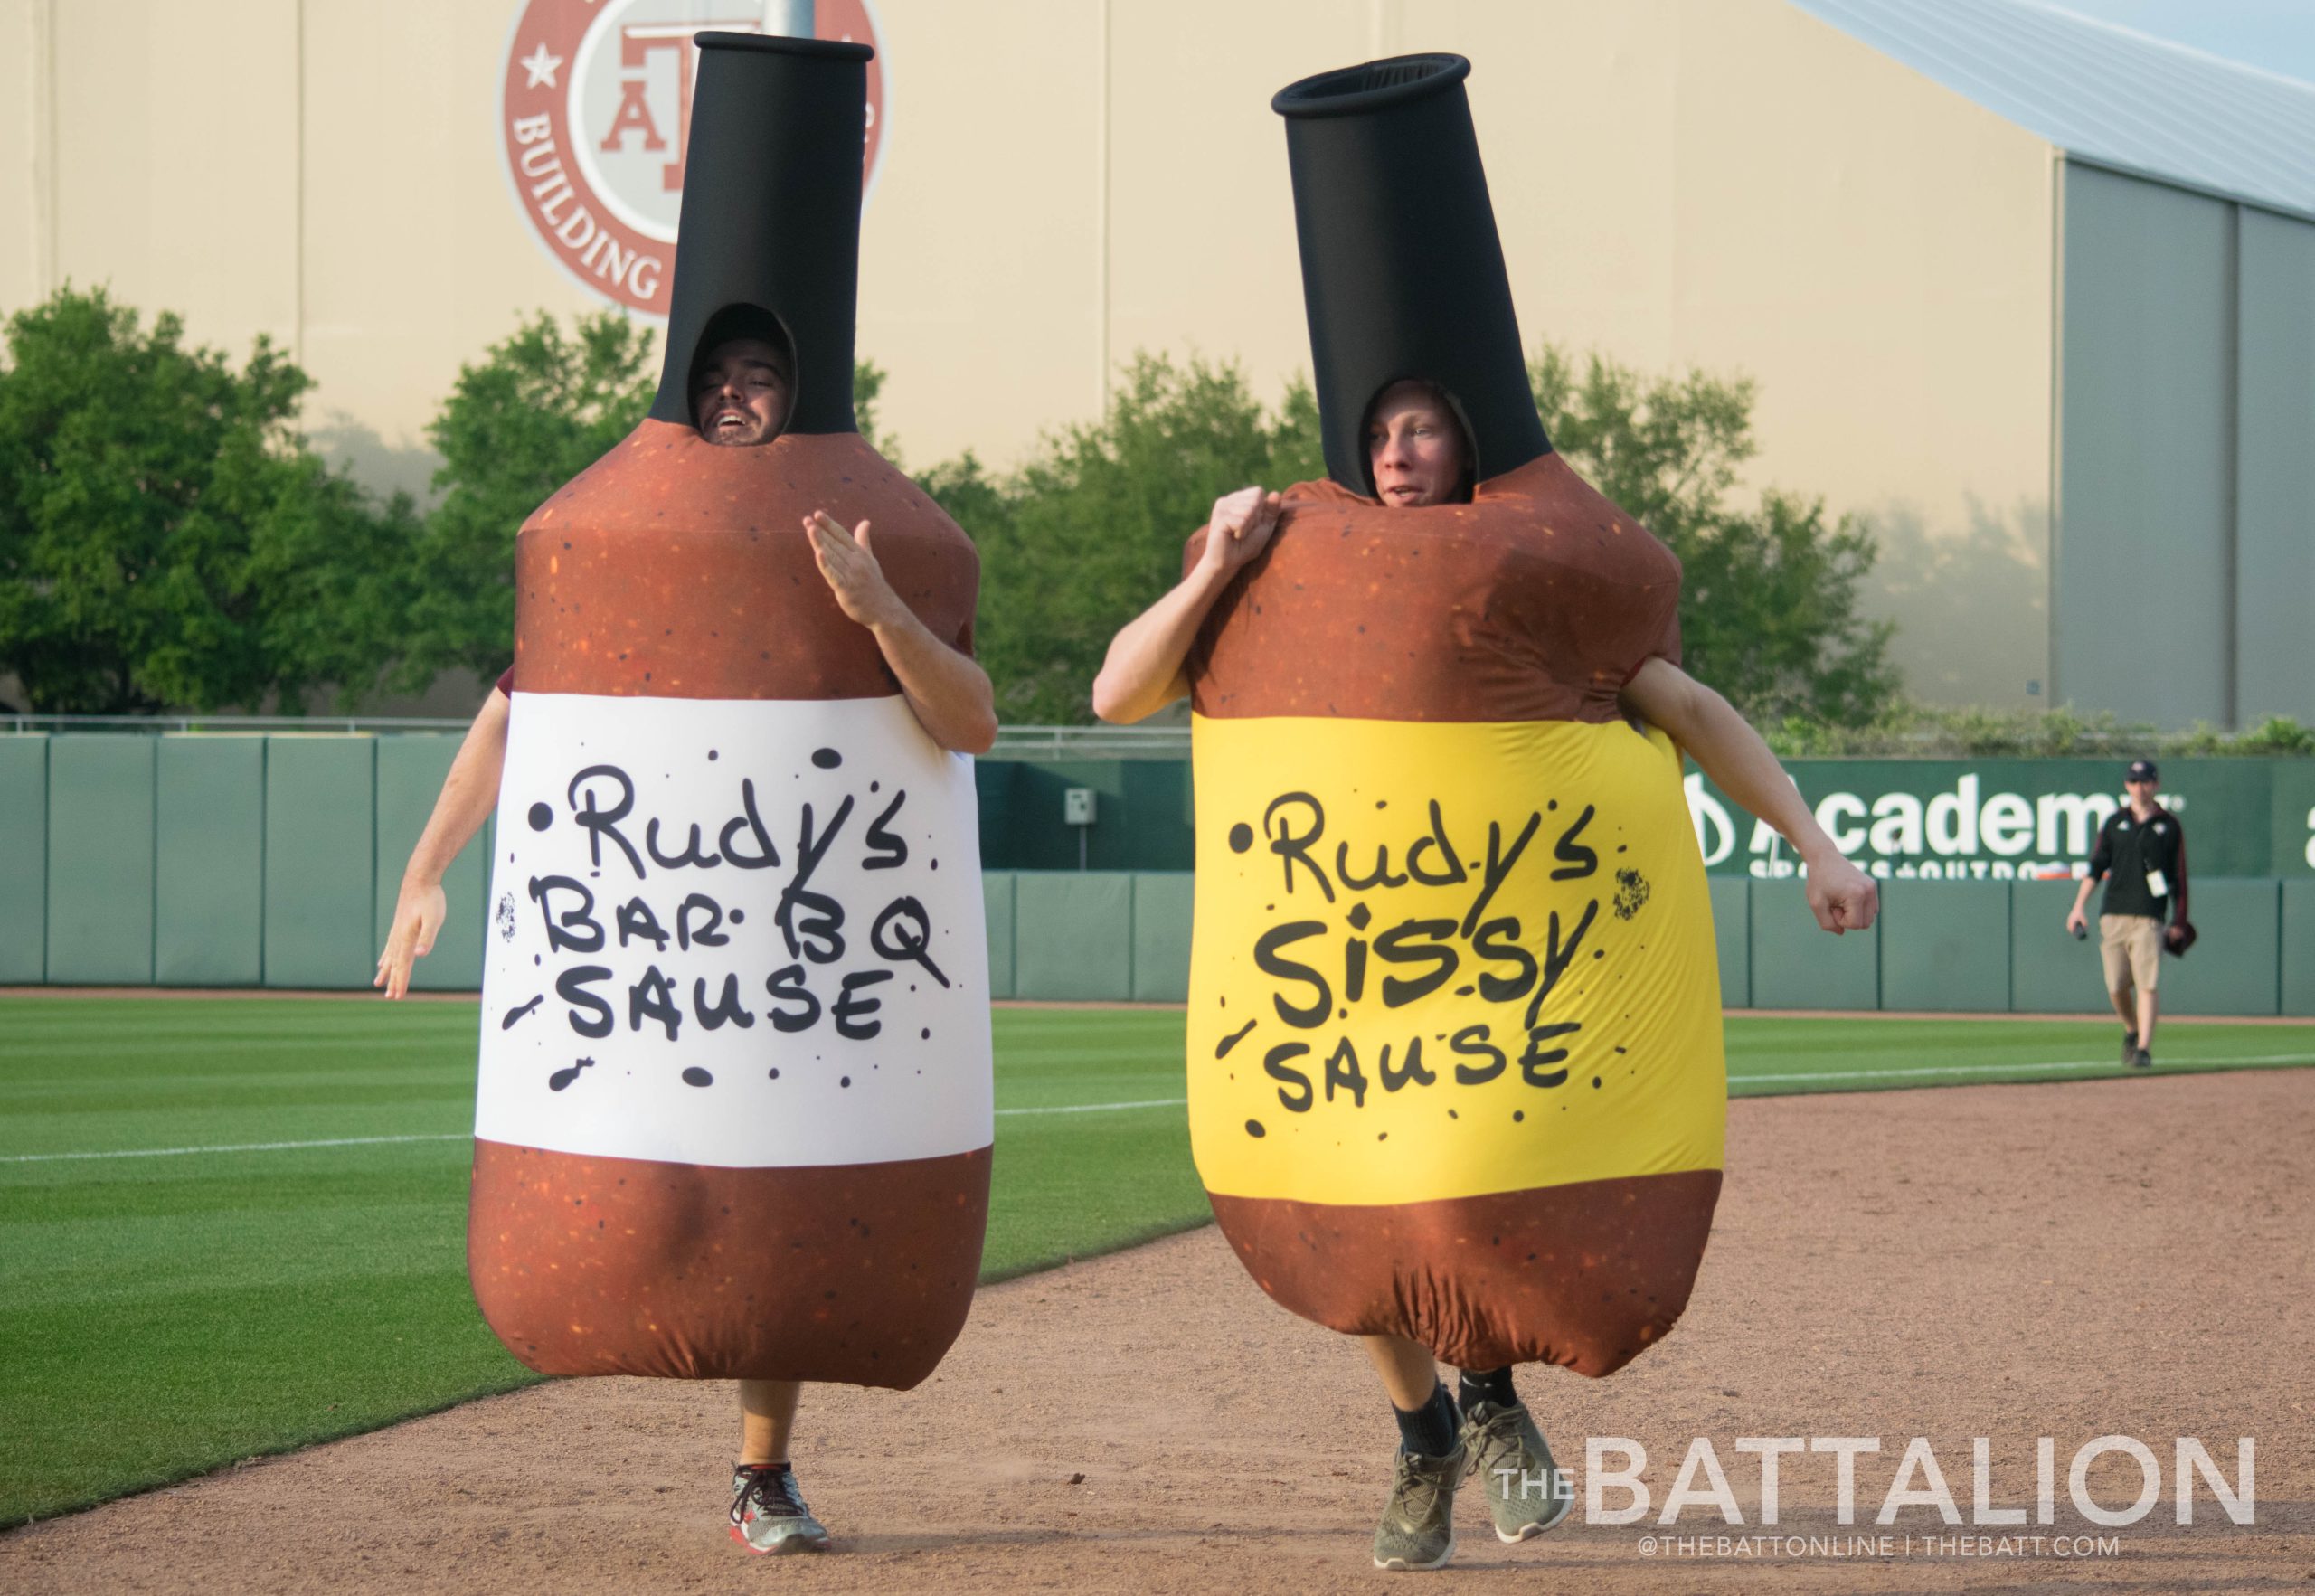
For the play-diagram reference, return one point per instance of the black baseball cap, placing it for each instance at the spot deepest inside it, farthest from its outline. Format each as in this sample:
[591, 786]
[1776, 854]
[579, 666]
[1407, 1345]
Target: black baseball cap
[2142, 770]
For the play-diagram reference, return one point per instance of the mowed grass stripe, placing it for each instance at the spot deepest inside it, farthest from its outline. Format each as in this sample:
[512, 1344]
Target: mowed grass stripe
[116, 1086]
[1777, 1056]
[160, 1316]
[1943, 1072]
[365, 1141]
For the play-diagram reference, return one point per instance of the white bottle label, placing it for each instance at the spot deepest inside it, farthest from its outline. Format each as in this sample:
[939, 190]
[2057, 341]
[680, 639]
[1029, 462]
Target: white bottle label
[746, 933]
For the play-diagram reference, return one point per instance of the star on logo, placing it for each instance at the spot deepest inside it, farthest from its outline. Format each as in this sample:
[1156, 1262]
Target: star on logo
[541, 66]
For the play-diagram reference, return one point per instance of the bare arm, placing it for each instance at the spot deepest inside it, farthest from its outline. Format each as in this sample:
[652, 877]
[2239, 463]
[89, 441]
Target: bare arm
[2102, 859]
[2077, 919]
[946, 688]
[1143, 672]
[469, 792]
[1841, 896]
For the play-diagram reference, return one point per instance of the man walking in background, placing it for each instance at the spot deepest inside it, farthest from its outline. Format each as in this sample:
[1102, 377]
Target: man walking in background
[2141, 856]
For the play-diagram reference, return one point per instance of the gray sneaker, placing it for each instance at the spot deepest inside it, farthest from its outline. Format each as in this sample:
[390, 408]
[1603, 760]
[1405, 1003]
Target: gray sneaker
[768, 1514]
[1525, 1490]
[2141, 1059]
[1418, 1527]
[2129, 1047]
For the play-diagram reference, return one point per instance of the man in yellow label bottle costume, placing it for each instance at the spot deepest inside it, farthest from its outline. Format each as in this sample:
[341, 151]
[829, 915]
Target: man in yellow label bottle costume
[1455, 1073]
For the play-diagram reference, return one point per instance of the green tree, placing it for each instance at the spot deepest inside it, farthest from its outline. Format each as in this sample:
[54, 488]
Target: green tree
[166, 537]
[539, 408]
[1091, 528]
[867, 387]
[1769, 611]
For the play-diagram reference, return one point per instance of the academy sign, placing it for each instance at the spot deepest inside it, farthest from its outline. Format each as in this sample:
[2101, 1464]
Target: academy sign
[2008, 819]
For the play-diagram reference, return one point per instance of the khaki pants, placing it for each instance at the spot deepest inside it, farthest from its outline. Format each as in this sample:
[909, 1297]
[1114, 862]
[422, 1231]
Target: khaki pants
[2130, 947]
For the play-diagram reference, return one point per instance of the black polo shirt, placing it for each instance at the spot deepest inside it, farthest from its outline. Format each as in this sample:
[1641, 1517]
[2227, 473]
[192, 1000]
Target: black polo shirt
[2128, 849]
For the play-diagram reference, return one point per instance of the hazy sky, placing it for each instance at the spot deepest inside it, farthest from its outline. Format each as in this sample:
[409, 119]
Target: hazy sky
[2276, 34]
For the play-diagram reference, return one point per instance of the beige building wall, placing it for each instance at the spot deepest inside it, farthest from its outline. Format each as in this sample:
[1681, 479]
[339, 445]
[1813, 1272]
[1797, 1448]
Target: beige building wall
[1721, 183]
[23, 151]
[1734, 186]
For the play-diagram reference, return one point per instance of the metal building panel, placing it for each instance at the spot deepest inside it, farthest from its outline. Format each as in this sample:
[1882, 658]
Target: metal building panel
[2105, 93]
[2143, 593]
[208, 862]
[100, 860]
[2275, 516]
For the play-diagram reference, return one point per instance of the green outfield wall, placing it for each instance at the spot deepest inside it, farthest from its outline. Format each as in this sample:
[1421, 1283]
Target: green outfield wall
[1905, 819]
[271, 860]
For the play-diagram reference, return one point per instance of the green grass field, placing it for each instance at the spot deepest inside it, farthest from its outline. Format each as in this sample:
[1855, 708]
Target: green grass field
[231, 1227]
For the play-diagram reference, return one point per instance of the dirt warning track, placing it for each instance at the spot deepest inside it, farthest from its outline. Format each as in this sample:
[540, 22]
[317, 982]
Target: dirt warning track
[2118, 1257]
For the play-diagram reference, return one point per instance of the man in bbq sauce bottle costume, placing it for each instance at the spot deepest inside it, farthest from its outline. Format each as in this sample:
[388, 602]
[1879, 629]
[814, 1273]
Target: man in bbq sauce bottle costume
[1455, 1071]
[733, 1117]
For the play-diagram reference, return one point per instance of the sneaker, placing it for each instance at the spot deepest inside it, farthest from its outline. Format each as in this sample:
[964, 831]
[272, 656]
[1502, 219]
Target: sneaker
[2141, 1059]
[768, 1514]
[1418, 1527]
[1526, 1492]
[2129, 1047]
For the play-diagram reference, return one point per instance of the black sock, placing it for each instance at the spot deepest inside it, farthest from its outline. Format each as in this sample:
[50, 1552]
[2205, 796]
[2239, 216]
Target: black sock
[1487, 1385]
[1430, 1430]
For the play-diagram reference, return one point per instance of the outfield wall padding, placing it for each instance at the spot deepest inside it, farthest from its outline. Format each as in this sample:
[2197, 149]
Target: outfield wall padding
[2051, 972]
[1732, 927]
[1791, 970]
[208, 862]
[24, 862]
[996, 901]
[1945, 946]
[2233, 968]
[1161, 937]
[410, 779]
[320, 808]
[100, 860]
[2296, 955]
[1073, 935]
[274, 860]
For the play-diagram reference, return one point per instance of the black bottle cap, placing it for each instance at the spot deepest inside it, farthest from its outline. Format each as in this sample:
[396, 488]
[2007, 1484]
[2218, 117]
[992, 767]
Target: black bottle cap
[1403, 274]
[770, 218]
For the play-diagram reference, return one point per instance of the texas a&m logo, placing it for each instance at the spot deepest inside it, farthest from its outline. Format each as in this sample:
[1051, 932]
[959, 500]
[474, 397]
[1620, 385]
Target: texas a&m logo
[595, 105]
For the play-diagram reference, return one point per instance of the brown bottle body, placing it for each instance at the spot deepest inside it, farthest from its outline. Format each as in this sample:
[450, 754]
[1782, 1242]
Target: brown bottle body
[677, 569]
[1531, 606]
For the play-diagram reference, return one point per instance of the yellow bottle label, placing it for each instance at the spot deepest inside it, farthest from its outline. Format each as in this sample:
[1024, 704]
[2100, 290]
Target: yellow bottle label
[1444, 959]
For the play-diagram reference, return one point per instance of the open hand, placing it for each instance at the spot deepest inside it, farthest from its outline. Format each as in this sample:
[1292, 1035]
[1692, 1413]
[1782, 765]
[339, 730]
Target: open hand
[1842, 897]
[419, 914]
[850, 567]
[1239, 529]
